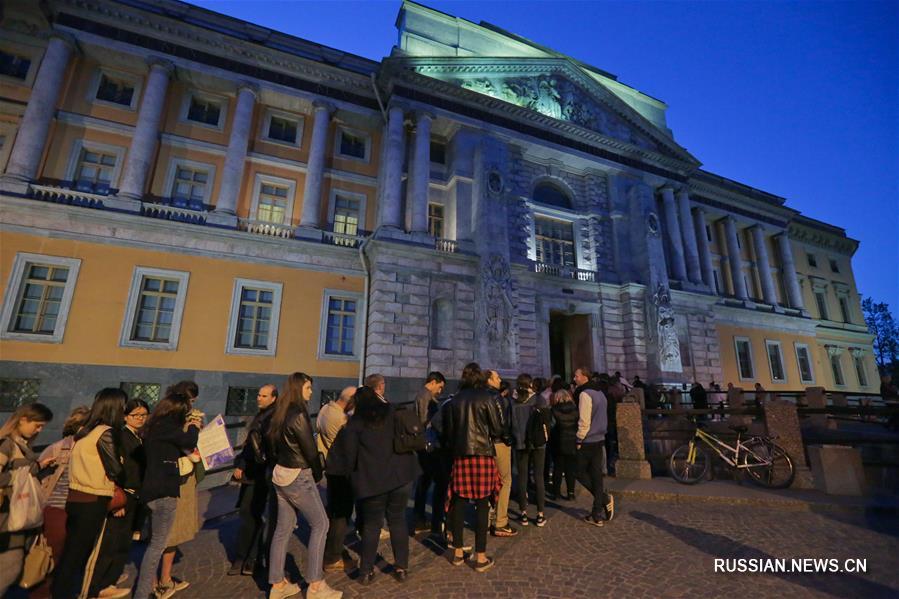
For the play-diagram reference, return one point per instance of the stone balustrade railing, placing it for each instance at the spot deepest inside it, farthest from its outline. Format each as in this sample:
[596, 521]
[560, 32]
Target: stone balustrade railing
[447, 246]
[342, 239]
[565, 272]
[65, 195]
[258, 227]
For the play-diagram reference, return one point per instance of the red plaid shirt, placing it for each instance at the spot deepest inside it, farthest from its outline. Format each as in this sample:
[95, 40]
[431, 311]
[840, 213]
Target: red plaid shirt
[474, 477]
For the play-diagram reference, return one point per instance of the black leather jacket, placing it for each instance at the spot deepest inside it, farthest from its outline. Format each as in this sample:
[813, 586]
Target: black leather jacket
[295, 448]
[470, 423]
[254, 456]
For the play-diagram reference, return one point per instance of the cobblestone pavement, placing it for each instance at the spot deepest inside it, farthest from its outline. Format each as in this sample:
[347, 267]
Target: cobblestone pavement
[651, 549]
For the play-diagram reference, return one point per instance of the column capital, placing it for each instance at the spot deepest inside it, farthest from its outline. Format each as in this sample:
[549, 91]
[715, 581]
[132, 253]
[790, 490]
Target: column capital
[667, 190]
[319, 105]
[418, 115]
[63, 36]
[248, 86]
[727, 218]
[157, 62]
[395, 105]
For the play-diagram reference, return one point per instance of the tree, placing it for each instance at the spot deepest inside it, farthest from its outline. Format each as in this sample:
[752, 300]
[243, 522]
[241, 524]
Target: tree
[885, 330]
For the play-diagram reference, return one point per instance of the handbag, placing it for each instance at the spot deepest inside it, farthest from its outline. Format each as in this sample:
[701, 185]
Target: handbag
[38, 563]
[119, 499]
[26, 510]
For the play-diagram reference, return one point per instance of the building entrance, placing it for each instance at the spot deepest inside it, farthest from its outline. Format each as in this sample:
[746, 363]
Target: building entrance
[570, 343]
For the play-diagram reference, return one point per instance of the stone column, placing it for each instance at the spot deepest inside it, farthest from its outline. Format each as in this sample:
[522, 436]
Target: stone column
[678, 267]
[146, 133]
[421, 174]
[705, 255]
[29, 145]
[390, 205]
[631, 452]
[616, 245]
[763, 266]
[791, 281]
[236, 155]
[733, 255]
[315, 168]
[688, 233]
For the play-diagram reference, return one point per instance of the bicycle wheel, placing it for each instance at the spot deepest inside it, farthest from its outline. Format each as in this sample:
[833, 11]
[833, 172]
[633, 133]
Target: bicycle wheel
[687, 471]
[768, 464]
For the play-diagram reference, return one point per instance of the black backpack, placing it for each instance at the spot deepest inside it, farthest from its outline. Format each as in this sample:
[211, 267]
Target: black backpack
[408, 432]
[539, 425]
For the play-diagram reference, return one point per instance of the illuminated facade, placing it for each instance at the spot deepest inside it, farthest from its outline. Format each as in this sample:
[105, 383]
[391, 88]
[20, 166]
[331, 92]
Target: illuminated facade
[189, 195]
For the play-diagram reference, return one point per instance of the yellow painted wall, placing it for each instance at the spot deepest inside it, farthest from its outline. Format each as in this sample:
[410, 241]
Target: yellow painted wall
[98, 310]
[62, 141]
[78, 95]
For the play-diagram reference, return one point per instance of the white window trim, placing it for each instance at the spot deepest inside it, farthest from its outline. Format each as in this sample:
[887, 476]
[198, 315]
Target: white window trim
[748, 341]
[783, 366]
[131, 308]
[271, 349]
[12, 294]
[9, 130]
[811, 362]
[291, 195]
[266, 120]
[332, 206]
[859, 360]
[185, 108]
[34, 53]
[135, 81]
[93, 146]
[174, 163]
[840, 364]
[558, 214]
[323, 325]
[355, 133]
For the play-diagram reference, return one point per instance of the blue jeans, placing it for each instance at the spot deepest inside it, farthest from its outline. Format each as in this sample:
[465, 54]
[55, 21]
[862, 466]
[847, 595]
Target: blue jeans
[301, 495]
[163, 518]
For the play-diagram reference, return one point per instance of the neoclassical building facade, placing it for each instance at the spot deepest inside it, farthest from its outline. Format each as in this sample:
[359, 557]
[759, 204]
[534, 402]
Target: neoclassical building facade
[184, 194]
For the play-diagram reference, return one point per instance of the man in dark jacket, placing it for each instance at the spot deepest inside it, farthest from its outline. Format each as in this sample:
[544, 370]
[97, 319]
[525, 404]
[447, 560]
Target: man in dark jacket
[250, 471]
[426, 405]
[503, 447]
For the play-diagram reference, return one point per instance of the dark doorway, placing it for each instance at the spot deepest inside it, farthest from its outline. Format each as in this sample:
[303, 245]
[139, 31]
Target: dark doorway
[570, 343]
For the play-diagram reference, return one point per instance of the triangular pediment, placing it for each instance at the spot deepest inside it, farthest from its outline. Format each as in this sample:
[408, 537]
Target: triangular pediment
[554, 88]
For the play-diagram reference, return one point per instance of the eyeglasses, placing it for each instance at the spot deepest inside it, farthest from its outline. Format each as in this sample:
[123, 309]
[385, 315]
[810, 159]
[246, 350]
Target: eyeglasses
[138, 416]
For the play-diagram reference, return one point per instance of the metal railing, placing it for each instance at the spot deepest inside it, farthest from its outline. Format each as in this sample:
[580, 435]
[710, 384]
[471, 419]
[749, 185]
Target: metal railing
[565, 272]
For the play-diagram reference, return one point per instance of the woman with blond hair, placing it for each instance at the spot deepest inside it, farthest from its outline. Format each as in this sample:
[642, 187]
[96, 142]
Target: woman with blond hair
[16, 436]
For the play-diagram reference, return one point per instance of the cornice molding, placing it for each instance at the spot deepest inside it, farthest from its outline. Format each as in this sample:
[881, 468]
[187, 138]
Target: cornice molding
[822, 239]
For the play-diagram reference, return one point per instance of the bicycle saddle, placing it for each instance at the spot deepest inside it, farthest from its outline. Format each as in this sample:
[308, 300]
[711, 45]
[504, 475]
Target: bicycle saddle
[739, 428]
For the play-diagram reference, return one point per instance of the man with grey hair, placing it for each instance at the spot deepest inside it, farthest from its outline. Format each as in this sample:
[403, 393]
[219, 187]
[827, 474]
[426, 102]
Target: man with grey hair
[330, 421]
[377, 383]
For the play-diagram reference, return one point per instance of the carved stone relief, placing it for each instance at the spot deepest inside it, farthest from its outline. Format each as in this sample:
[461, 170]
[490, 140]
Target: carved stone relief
[497, 312]
[666, 330]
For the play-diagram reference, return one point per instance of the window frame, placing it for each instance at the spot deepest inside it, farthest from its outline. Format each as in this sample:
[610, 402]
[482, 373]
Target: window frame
[24, 381]
[442, 219]
[206, 97]
[557, 214]
[93, 90]
[265, 124]
[272, 347]
[359, 326]
[174, 164]
[8, 130]
[861, 373]
[261, 179]
[332, 207]
[821, 301]
[737, 341]
[13, 292]
[82, 145]
[34, 53]
[845, 309]
[134, 293]
[783, 367]
[833, 372]
[811, 365]
[834, 265]
[355, 133]
[811, 260]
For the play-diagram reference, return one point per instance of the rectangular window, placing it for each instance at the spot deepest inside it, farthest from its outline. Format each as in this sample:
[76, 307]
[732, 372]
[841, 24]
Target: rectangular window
[347, 211]
[708, 233]
[154, 309]
[438, 152]
[775, 361]
[255, 310]
[283, 130]
[834, 266]
[205, 111]
[114, 90]
[804, 360]
[14, 65]
[94, 171]
[352, 146]
[555, 241]
[435, 220]
[241, 401]
[340, 323]
[38, 296]
[271, 206]
[744, 358]
[844, 308]
[17, 392]
[821, 300]
[837, 369]
[717, 283]
[812, 261]
[149, 392]
[190, 184]
[859, 362]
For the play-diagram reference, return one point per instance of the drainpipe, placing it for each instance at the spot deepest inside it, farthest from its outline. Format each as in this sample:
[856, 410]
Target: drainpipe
[365, 293]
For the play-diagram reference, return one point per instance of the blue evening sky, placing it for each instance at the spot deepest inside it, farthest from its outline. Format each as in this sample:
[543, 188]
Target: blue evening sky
[799, 99]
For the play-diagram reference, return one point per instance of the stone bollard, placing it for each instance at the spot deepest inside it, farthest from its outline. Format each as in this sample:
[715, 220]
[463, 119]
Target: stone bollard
[782, 422]
[838, 469]
[636, 395]
[816, 398]
[631, 454]
[735, 401]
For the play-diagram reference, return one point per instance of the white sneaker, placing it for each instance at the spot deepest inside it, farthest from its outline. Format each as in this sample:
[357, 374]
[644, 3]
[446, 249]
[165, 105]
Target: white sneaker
[385, 534]
[288, 590]
[323, 592]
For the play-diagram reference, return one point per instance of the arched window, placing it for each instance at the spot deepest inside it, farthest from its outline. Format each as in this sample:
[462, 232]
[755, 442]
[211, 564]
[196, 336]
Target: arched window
[551, 195]
[442, 324]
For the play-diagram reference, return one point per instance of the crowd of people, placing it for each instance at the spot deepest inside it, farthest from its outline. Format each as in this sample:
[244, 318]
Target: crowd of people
[122, 468]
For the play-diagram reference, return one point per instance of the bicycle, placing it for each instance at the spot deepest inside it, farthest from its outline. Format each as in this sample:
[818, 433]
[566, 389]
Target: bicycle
[766, 462]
